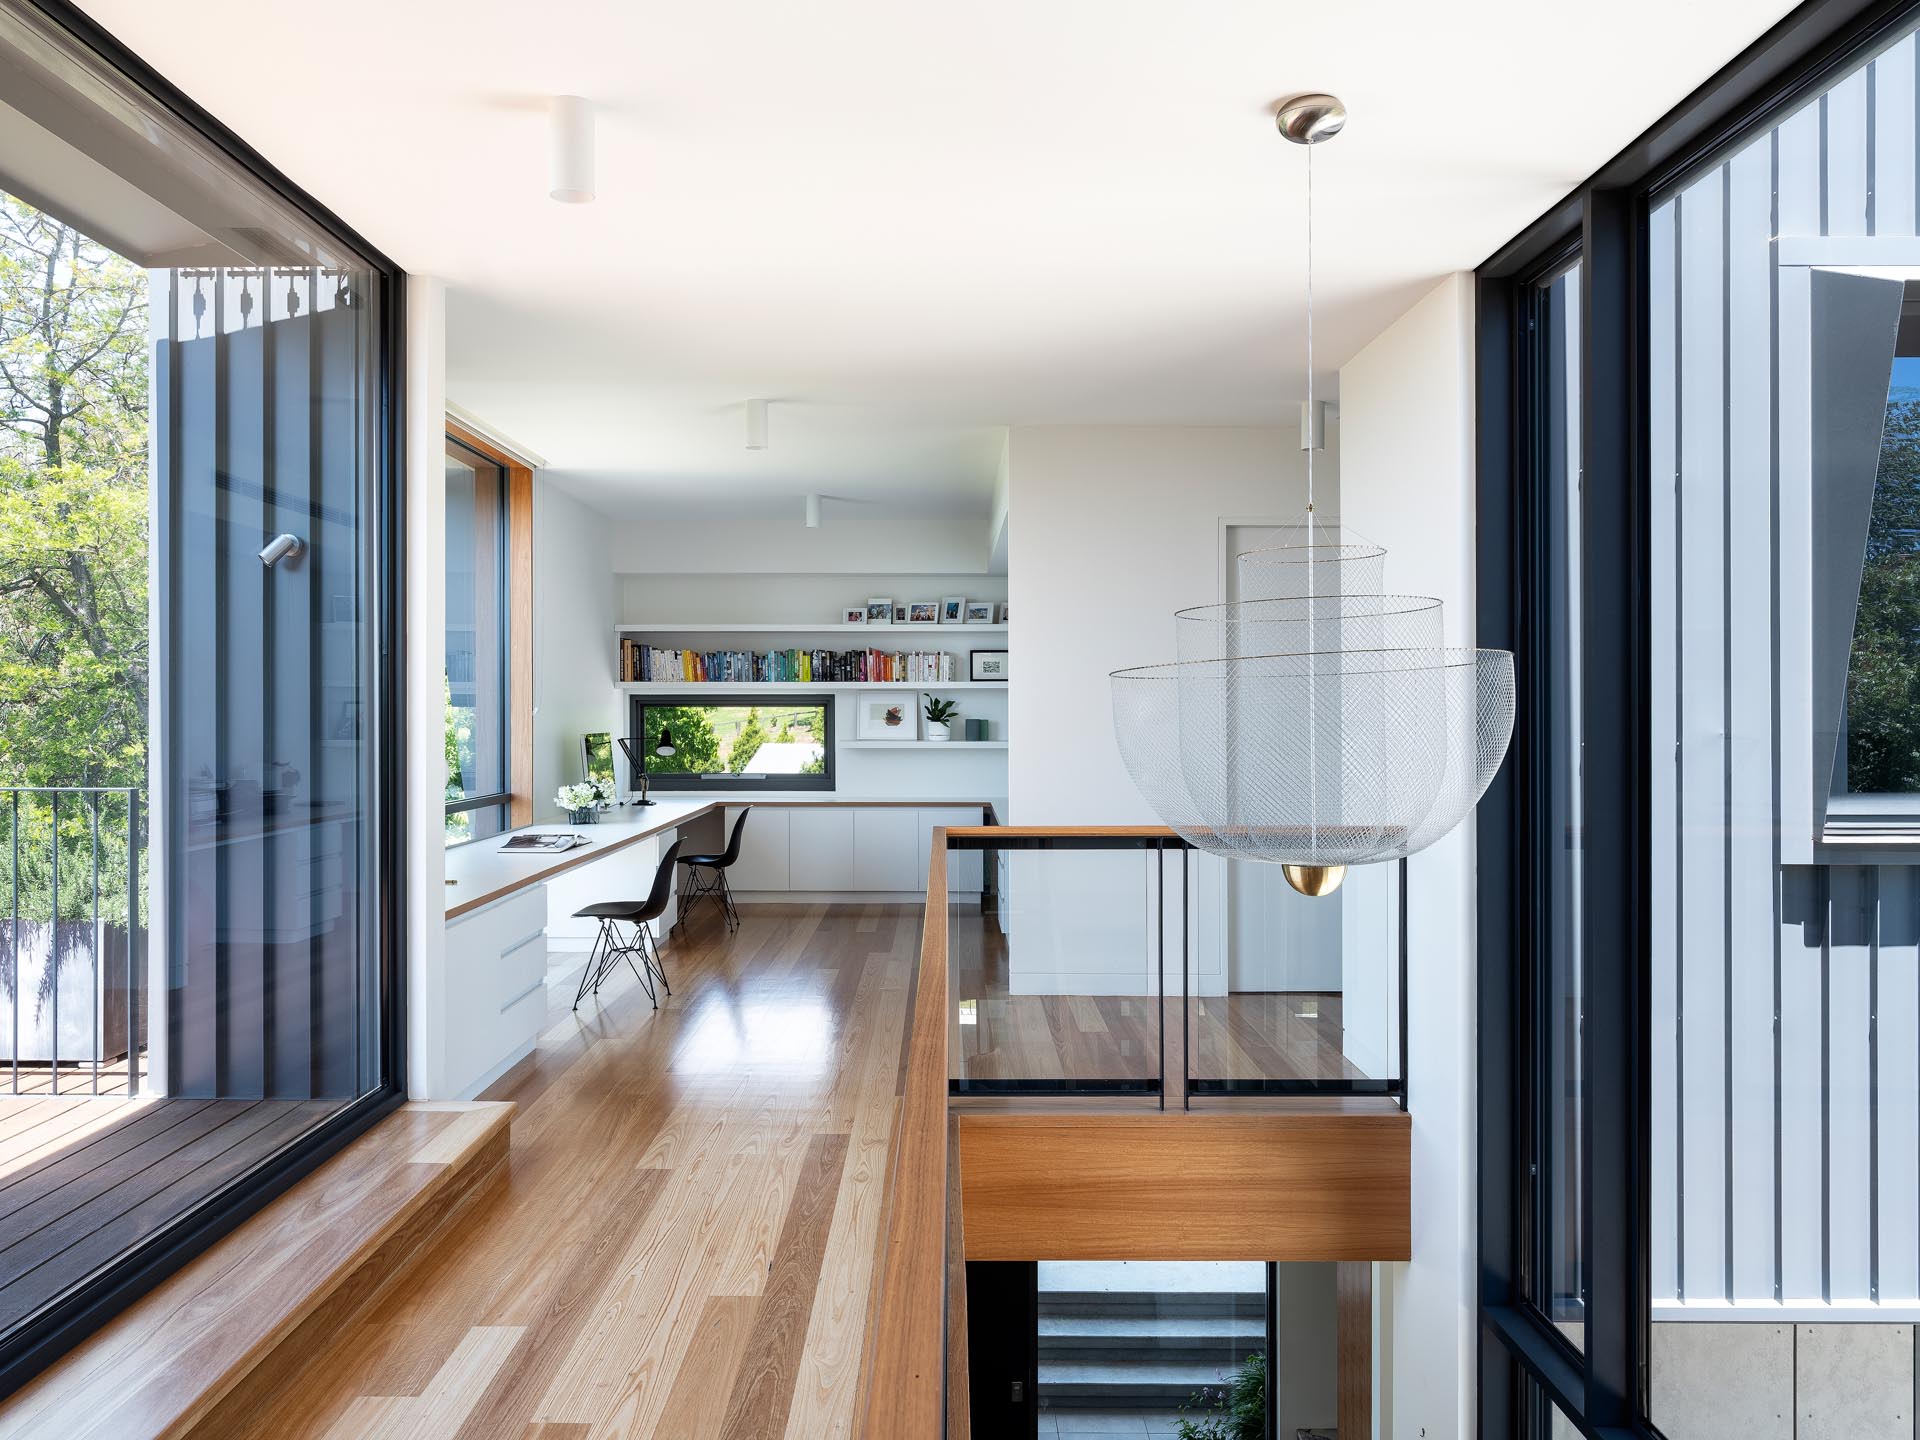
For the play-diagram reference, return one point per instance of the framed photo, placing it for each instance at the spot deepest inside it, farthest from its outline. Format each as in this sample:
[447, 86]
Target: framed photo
[880, 611]
[856, 614]
[987, 665]
[1003, 612]
[923, 612]
[979, 612]
[899, 613]
[953, 610]
[887, 715]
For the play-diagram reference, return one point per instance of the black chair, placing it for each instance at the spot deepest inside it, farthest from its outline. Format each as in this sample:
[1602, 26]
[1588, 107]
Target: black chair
[609, 948]
[707, 877]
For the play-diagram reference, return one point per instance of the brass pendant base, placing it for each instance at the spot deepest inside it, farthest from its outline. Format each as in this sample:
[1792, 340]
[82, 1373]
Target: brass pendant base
[1314, 881]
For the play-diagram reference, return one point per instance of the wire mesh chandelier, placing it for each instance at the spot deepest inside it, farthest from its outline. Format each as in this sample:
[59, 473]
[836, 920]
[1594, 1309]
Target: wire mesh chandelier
[1318, 722]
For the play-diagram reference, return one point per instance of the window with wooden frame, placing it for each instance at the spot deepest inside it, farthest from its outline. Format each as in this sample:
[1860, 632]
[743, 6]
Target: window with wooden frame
[489, 645]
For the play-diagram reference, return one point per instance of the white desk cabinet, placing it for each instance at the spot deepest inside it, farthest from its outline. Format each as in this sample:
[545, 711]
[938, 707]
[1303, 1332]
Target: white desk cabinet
[496, 996]
[820, 849]
[886, 856]
[764, 849]
[963, 866]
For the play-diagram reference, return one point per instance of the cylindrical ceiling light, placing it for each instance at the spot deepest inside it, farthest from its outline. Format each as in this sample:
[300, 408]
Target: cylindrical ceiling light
[813, 512]
[756, 424]
[570, 161]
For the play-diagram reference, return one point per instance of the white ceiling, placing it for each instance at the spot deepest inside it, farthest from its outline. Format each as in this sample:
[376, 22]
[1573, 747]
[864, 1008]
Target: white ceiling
[913, 224]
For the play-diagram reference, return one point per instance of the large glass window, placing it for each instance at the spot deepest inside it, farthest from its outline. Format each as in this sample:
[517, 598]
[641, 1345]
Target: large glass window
[195, 656]
[698, 743]
[479, 718]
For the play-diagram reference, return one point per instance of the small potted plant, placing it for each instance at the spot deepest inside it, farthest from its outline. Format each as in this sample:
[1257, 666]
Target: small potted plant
[581, 801]
[940, 713]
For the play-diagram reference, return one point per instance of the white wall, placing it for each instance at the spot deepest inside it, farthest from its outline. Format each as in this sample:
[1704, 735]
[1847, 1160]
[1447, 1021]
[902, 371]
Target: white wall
[573, 645]
[1406, 481]
[852, 540]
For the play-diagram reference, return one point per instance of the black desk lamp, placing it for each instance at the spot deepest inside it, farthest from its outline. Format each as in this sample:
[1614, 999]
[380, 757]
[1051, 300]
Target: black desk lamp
[637, 763]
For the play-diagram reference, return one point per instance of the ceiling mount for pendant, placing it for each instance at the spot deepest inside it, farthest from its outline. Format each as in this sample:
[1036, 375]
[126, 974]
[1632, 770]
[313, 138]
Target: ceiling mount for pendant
[1310, 119]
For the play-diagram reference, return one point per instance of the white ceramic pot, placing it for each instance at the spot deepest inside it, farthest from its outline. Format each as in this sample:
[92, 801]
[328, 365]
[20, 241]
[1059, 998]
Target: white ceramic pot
[938, 731]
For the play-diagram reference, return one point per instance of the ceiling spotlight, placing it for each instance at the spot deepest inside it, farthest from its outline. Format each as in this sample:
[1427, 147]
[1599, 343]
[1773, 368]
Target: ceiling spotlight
[756, 424]
[570, 163]
[813, 512]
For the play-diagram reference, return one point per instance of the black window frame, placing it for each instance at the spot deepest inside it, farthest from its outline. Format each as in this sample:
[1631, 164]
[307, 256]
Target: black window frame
[87, 1307]
[1523, 1363]
[826, 782]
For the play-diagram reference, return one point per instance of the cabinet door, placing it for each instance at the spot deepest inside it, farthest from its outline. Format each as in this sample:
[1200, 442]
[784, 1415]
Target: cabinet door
[820, 848]
[763, 849]
[963, 867]
[886, 854]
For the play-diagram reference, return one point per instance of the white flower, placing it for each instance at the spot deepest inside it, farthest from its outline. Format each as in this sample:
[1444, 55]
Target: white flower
[578, 796]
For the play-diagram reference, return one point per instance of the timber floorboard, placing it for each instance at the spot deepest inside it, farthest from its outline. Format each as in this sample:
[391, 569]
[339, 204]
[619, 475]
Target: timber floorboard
[683, 1243]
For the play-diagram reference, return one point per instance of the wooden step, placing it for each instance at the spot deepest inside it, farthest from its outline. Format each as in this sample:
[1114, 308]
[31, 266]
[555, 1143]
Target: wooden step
[205, 1352]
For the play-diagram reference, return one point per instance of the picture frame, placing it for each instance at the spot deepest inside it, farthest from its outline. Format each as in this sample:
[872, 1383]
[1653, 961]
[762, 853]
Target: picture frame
[923, 612]
[857, 614]
[1003, 612]
[979, 612]
[987, 665]
[887, 715]
[880, 610]
[953, 609]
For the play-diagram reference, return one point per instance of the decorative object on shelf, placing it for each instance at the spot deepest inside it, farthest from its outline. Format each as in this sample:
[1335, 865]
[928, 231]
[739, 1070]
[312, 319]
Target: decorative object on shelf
[581, 801]
[923, 612]
[880, 611]
[976, 728]
[979, 612]
[940, 713]
[987, 665]
[1003, 612]
[953, 609]
[854, 615]
[899, 613]
[1316, 723]
[887, 717]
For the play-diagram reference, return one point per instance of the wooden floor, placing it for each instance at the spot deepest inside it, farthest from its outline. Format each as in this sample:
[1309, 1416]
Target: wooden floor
[84, 1179]
[997, 1036]
[683, 1243]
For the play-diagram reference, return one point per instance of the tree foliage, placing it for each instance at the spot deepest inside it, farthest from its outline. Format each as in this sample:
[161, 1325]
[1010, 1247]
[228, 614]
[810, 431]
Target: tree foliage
[696, 747]
[1883, 677]
[747, 743]
[73, 542]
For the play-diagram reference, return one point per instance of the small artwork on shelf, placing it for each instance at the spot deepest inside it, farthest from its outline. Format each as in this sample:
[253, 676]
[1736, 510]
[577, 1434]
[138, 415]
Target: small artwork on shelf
[1003, 612]
[979, 612]
[887, 716]
[953, 610]
[923, 612]
[880, 611]
[857, 614]
[987, 665]
[899, 613]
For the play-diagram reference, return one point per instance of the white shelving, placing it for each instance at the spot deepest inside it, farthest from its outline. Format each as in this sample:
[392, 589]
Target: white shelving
[923, 744]
[796, 687]
[832, 627]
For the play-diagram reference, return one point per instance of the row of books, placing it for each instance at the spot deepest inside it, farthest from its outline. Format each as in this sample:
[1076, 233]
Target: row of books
[650, 663]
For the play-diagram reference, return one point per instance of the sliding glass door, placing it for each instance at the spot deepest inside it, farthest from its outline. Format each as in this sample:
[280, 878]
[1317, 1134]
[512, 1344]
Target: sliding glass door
[199, 811]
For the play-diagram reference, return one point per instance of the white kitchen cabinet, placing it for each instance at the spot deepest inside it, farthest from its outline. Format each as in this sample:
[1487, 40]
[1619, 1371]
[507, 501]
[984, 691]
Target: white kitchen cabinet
[821, 848]
[963, 866]
[886, 855]
[765, 849]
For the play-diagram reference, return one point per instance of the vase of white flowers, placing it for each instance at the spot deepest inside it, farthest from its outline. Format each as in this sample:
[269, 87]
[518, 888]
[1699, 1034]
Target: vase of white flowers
[582, 801]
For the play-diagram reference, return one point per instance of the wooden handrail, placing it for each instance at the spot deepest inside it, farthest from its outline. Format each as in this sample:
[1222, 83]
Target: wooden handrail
[906, 1378]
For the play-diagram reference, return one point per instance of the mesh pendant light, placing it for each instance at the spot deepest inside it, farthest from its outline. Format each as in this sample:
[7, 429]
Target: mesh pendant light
[1320, 721]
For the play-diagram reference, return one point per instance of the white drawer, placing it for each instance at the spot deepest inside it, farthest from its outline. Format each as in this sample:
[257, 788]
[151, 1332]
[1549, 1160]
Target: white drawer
[522, 968]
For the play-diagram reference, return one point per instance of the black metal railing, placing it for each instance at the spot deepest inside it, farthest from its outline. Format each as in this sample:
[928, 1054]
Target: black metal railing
[73, 946]
[1103, 964]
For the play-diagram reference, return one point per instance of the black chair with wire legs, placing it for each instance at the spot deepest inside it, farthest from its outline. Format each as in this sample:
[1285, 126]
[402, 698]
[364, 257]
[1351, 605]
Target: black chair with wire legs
[707, 877]
[610, 947]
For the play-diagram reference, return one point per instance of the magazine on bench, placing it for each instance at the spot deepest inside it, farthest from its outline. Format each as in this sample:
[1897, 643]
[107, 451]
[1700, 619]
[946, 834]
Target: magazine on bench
[546, 844]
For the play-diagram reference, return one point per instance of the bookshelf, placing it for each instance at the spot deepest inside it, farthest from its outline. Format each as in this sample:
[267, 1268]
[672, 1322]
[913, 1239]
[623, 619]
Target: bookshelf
[799, 687]
[897, 635]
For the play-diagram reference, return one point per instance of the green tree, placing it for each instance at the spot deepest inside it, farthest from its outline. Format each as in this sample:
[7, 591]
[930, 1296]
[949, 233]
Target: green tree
[747, 743]
[73, 551]
[1883, 674]
[696, 747]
